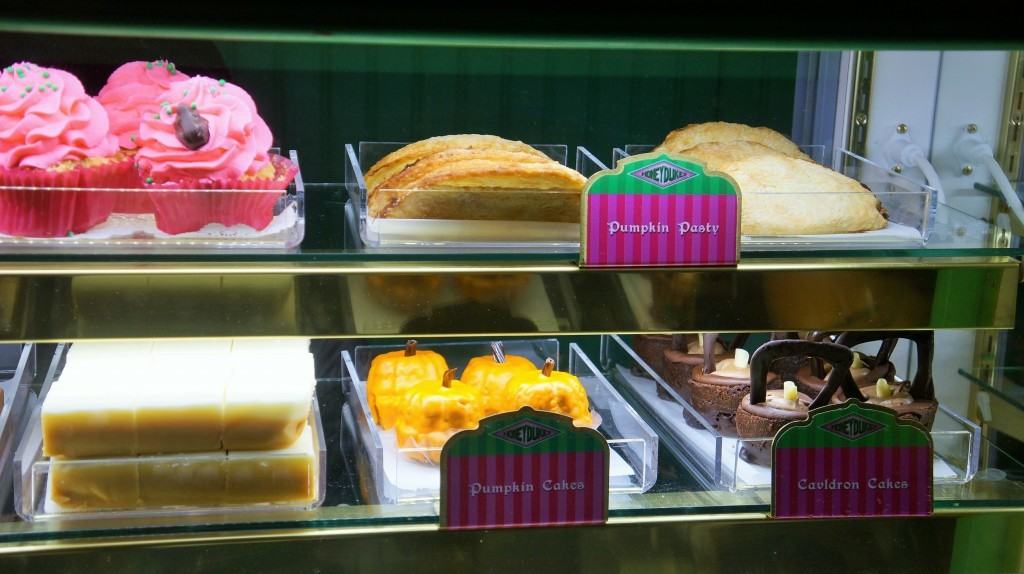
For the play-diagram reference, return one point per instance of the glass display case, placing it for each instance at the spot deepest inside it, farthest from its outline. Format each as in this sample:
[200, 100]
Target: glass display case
[469, 236]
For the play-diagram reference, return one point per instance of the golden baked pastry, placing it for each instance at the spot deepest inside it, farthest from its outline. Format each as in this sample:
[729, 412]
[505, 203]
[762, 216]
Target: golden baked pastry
[716, 154]
[692, 135]
[402, 158]
[480, 184]
[786, 196]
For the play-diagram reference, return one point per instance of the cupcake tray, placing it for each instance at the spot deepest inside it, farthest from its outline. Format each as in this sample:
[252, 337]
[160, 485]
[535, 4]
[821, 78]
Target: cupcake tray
[138, 231]
[17, 367]
[32, 493]
[462, 233]
[387, 476]
[908, 204]
[715, 459]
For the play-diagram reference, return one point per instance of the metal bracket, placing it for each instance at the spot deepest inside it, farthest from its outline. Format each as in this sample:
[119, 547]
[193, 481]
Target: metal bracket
[1011, 137]
[860, 101]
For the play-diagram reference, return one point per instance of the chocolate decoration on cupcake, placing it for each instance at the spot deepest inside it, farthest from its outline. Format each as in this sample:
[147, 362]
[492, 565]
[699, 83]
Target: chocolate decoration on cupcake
[685, 354]
[679, 362]
[867, 369]
[915, 401]
[763, 412]
[716, 387]
[788, 367]
[191, 129]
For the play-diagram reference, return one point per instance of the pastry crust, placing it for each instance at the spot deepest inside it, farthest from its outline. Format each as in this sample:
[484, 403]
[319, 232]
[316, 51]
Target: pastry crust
[402, 158]
[786, 196]
[481, 184]
[682, 139]
[716, 154]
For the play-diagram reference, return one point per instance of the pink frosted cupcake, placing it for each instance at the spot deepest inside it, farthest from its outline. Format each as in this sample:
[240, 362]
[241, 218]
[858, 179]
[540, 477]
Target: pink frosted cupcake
[132, 91]
[208, 135]
[54, 135]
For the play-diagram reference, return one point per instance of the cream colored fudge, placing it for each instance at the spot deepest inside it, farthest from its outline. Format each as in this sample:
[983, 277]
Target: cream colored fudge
[288, 475]
[193, 480]
[91, 411]
[180, 406]
[285, 475]
[115, 399]
[267, 400]
[87, 485]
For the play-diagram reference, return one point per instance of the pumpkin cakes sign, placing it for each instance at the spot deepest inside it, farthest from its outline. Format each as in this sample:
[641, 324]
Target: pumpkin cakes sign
[524, 468]
[657, 209]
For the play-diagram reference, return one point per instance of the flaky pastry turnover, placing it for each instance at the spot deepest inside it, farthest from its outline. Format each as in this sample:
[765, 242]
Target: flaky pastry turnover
[682, 139]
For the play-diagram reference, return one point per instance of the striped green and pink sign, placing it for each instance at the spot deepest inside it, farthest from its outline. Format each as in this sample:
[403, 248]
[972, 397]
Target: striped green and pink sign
[526, 468]
[660, 210]
[852, 460]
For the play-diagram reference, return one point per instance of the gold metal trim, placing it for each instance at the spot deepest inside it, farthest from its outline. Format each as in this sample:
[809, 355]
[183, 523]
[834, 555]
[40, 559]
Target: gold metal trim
[61, 302]
[1011, 136]
[860, 102]
[228, 537]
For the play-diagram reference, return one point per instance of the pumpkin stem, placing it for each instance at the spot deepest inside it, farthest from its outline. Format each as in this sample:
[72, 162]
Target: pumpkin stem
[449, 376]
[410, 348]
[549, 365]
[498, 352]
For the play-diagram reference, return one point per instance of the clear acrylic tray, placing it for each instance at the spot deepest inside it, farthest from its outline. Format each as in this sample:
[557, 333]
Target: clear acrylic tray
[32, 489]
[463, 233]
[17, 368]
[907, 202]
[387, 475]
[715, 459]
[137, 230]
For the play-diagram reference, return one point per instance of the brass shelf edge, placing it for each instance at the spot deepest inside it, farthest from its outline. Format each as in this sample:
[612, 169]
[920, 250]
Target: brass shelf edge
[278, 535]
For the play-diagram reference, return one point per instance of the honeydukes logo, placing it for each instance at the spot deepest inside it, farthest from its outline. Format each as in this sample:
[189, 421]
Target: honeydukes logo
[853, 427]
[526, 433]
[663, 174]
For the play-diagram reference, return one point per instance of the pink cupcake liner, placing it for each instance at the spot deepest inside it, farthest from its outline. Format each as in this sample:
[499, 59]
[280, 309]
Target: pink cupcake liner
[138, 202]
[185, 211]
[94, 207]
[38, 212]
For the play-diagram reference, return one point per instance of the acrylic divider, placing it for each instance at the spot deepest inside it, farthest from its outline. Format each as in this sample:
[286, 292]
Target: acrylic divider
[715, 460]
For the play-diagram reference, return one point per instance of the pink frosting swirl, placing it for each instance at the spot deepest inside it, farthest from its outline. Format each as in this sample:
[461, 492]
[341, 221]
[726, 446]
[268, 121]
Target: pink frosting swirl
[239, 139]
[46, 117]
[133, 90]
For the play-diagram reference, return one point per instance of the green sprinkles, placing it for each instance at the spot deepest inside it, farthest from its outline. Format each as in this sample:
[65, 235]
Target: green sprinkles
[20, 72]
[3, 88]
[46, 74]
[156, 116]
[171, 68]
[70, 234]
[149, 180]
[221, 82]
[28, 88]
[185, 94]
[149, 65]
[193, 106]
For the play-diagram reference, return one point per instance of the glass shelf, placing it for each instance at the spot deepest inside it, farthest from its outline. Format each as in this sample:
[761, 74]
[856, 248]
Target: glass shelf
[332, 238]
[676, 493]
[1006, 383]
